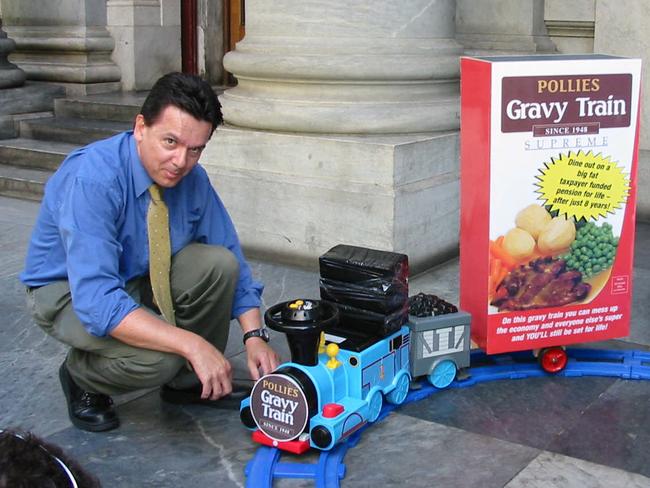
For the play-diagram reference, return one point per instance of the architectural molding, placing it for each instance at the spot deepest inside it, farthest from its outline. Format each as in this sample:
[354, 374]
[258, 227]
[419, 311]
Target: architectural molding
[570, 28]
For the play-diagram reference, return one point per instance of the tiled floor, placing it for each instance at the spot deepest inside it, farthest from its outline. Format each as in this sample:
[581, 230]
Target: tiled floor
[544, 432]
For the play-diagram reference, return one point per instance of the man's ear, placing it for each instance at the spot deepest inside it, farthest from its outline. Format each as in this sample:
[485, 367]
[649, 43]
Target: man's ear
[138, 127]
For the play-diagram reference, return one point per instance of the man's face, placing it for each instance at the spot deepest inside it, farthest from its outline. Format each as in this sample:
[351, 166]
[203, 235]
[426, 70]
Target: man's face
[170, 147]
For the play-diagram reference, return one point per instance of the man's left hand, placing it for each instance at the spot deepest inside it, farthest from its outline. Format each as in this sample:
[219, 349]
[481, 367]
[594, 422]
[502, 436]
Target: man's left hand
[261, 357]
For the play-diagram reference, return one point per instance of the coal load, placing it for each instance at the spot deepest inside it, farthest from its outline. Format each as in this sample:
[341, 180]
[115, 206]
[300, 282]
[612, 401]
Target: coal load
[370, 288]
[427, 305]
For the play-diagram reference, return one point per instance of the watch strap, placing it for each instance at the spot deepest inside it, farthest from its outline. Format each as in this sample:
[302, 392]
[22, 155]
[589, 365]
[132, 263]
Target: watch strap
[261, 333]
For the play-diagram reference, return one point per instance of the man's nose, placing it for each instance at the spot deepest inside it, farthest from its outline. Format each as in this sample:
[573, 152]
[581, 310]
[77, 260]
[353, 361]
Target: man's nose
[180, 158]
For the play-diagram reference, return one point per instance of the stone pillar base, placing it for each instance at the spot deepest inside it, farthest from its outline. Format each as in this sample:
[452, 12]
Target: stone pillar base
[30, 100]
[293, 196]
[71, 56]
[10, 74]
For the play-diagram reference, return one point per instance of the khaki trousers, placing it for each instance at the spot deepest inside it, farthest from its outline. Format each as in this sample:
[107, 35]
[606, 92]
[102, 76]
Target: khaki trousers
[203, 281]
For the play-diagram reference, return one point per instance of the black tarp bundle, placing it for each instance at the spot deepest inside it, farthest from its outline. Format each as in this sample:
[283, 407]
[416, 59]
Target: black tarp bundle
[370, 288]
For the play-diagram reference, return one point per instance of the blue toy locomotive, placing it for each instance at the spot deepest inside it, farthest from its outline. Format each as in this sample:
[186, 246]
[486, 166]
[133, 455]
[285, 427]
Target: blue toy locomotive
[338, 379]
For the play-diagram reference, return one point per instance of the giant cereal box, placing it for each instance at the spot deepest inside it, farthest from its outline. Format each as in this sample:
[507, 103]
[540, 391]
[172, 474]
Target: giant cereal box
[548, 165]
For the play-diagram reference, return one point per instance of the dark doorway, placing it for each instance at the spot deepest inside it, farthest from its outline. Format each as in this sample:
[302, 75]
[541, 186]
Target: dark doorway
[235, 22]
[189, 47]
[234, 30]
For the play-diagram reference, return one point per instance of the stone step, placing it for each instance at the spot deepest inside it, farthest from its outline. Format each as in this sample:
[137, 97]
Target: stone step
[71, 130]
[29, 98]
[34, 154]
[25, 183]
[117, 107]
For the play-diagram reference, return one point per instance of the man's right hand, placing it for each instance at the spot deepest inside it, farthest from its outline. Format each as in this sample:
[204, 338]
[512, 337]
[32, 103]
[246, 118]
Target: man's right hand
[212, 368]
[143, 329]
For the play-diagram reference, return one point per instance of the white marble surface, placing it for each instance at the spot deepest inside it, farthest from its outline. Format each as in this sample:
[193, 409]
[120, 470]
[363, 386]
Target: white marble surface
[551, 470]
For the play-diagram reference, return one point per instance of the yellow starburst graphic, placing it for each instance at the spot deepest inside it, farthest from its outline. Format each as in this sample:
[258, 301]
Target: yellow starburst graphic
[583, 185]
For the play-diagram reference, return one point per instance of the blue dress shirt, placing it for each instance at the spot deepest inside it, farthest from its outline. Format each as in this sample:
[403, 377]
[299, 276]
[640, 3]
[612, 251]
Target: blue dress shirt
[92, 230]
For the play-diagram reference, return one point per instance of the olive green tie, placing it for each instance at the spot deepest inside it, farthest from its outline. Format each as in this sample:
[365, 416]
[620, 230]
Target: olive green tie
[160, 254]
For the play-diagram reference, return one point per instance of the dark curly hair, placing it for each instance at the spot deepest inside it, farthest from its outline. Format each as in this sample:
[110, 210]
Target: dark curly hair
[190, 93]
[29, 462]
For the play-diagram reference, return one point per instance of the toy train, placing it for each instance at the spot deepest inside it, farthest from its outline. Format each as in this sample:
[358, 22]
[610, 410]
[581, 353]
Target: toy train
[338, 380]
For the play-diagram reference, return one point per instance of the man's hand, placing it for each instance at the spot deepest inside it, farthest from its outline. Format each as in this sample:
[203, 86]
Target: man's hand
[212, 368]
[260, 357]
[143, 329]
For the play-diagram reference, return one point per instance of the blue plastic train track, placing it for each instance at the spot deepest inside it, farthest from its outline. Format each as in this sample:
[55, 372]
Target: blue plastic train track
[329, 470]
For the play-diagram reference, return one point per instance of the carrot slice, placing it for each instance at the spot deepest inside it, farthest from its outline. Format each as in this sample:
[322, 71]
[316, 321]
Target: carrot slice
[502, 275]
[506, 259]
[495, 268]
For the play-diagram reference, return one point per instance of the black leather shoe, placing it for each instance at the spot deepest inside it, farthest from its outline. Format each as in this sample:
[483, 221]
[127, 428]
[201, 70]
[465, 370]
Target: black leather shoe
[87, 411]
[193, 395]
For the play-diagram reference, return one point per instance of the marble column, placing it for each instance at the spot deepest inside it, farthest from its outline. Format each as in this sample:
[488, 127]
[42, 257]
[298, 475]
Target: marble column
[336, 66]
[10, 74]
[342, 128]
[63, 42]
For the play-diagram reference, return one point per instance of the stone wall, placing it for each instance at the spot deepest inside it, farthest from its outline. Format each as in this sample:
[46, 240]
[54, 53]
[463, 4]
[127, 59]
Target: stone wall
[571, 24]
[147, 39]
[620, 27]
[502, 27]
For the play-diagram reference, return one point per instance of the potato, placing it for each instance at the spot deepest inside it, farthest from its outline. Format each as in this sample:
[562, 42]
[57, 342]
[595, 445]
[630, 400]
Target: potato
[533, 219]
[519, 243]
[557, 236]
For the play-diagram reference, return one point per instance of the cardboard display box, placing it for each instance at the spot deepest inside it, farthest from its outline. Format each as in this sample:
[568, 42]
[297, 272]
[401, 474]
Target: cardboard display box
[548, 185]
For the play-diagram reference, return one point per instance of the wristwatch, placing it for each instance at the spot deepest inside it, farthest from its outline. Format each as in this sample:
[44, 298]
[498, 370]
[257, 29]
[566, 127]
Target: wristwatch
[262, 333]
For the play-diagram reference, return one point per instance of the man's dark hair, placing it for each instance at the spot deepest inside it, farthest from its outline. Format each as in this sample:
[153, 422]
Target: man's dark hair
[190, 93]
[27, 462]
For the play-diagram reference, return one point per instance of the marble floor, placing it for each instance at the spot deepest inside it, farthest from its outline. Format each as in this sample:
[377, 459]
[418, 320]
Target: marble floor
[546, 432]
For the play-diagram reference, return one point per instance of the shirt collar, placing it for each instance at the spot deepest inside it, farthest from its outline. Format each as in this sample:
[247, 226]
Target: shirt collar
[141, 179]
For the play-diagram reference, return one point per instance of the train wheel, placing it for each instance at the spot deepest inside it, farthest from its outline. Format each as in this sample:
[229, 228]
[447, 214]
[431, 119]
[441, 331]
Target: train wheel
[443, 374]
[374, 405]
[553, 359]
[398, 395]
